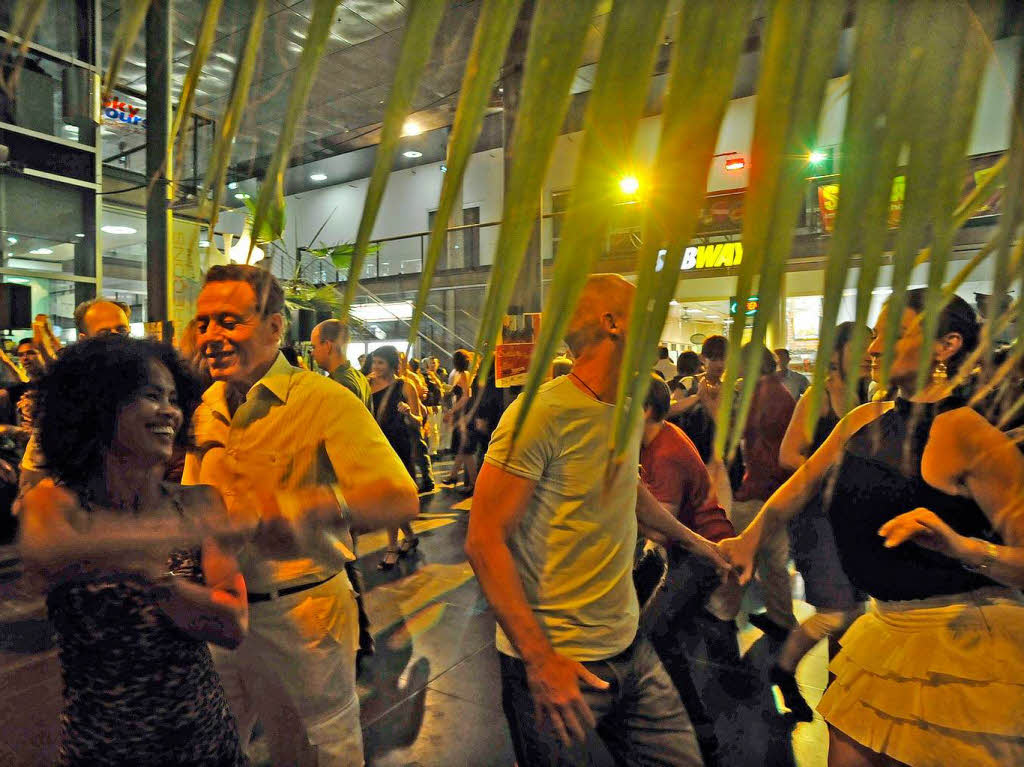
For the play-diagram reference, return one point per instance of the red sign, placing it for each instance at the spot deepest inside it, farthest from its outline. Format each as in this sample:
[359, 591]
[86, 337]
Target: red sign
[519, 333]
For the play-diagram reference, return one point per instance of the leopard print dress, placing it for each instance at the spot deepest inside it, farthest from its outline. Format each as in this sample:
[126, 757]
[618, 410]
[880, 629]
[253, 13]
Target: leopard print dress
[137, 690]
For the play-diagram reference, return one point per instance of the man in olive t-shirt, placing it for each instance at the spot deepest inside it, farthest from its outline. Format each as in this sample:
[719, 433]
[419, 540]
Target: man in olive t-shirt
[330, 342]
[552, 534]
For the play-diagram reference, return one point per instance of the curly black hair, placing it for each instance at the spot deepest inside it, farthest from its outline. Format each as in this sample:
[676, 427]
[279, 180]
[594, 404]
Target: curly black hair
[83, 392]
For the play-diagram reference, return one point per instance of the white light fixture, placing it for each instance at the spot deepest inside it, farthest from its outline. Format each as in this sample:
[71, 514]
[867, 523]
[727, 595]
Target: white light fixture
[386, 312]
[317, 176]
[12, 240]
[412, 154]
[242, 196]
[233, 185]
[673, 302]
[112, 229]
[41, 252]
[412, 128]
[239, 252]
[80, 234]
[204, 243]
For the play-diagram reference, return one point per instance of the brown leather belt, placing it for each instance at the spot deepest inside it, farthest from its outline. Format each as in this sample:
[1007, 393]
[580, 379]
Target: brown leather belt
[253, 598]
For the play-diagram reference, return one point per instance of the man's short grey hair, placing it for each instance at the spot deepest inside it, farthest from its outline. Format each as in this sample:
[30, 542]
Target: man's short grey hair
[334, 331]
[85, 306]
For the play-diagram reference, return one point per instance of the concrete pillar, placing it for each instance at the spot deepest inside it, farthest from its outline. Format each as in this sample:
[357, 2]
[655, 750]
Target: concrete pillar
[159, 163]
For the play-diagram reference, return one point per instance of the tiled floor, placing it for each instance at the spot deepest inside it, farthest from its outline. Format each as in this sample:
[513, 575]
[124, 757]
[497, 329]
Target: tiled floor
[431, 695]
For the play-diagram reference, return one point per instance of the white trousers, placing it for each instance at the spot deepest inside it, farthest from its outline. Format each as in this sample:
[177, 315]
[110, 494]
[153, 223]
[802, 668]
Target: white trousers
[296, 673]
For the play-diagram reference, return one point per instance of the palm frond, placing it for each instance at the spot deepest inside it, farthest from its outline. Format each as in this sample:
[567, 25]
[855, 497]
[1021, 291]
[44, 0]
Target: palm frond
[557, 33]
[133, 14]
[420, 29]
[493, 30]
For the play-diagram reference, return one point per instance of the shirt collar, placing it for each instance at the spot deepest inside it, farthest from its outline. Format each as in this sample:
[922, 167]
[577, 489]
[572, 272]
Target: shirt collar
[277, 381]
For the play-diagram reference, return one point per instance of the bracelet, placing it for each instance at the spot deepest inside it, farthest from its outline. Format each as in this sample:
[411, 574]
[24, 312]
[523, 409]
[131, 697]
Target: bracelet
[990, 558]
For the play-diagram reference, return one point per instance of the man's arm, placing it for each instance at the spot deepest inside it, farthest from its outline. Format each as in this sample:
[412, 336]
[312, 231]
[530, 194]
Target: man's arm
[499, 502]
[653, 518]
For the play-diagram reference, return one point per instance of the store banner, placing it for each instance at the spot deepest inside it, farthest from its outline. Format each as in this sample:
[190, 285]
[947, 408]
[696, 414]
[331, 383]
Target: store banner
[978, 168]
[722, 213]
[185, 273]
[519, 333]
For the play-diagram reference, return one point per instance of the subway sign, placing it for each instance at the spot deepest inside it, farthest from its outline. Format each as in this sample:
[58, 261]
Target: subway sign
[722, 254]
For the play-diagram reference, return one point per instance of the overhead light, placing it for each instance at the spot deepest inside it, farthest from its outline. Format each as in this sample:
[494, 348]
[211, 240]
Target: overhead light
[816, 157]
[317, 176]
[242, 196]
[12, 240]
[412, 128]
[385, 312]
[204, 243]
[412, 154]
[673, 302]
[629, 185]
[80, 234]
[735, 163]
[41, 252]
[233, 185]
[112, 229]
[444, 168]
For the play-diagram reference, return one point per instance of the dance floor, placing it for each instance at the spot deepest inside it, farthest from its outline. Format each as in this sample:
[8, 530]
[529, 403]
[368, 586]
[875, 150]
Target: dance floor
[431, 694]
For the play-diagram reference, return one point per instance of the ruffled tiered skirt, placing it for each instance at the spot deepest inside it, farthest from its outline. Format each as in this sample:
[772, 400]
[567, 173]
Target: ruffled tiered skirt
[935, 682]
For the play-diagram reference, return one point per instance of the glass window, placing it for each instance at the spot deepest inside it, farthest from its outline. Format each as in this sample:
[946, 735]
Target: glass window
[46, 226]
[65, 26]
[50, 97]
[124, 259]
[56, 299]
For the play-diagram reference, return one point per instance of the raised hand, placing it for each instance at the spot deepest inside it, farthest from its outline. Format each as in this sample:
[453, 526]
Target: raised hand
[924, 528]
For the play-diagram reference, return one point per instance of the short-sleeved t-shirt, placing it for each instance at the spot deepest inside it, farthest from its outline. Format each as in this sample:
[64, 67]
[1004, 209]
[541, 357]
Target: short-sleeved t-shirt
[355, 382]
[673, 471]
[574, 546]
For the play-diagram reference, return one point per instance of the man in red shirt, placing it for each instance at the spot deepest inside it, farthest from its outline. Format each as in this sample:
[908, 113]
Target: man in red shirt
[770, 414]
[690, 600]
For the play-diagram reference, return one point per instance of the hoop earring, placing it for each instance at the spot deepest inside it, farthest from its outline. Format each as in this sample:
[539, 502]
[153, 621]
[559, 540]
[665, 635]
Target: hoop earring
[940, 374]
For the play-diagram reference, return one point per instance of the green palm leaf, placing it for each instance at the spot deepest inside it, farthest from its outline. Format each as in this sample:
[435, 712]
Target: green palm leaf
[133, 14]
[791, 90]
[200, 52]
[420, 29]
[700, 84]
[613, 112]
[557, 33]
[269, 211]
[231, 120]
[493, 30]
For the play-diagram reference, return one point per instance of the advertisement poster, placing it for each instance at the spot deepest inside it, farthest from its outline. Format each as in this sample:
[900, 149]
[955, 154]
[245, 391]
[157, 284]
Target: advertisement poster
[977, 169]
[185, 273]
[519, 333]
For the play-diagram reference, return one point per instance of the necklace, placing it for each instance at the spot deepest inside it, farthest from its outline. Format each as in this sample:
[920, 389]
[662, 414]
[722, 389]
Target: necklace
[587, 386]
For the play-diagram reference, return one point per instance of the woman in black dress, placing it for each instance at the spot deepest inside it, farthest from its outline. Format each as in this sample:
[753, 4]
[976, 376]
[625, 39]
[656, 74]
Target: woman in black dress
[392, 396]
[928, 515]
[137, 583]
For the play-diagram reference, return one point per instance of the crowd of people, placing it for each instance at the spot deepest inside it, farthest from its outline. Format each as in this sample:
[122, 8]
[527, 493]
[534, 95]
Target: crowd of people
[193, 514]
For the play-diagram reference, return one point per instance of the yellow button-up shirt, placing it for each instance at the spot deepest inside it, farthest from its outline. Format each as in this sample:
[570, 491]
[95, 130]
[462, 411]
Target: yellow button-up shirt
[294, 430]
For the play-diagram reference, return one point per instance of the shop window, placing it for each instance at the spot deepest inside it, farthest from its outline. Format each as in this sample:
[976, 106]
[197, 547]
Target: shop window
[55, 298]
[124, 259]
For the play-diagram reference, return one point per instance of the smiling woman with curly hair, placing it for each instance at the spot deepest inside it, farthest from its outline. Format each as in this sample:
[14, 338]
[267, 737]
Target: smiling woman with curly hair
[133, 574]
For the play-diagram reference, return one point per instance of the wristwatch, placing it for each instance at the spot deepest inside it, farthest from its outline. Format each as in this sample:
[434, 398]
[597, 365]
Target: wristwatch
[991, 556]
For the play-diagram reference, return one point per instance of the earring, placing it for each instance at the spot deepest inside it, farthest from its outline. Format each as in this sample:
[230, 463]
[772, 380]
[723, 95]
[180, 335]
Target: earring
[940, 374]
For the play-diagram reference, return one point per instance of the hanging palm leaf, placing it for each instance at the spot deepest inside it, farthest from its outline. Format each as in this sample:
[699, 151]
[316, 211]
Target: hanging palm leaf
[704, 62]
[791, 89]
[557, 33]
[133, 14]
[613, 112]
[953, 160]
[269, 211]
[420, 29]
[493, 29]
[231, 121]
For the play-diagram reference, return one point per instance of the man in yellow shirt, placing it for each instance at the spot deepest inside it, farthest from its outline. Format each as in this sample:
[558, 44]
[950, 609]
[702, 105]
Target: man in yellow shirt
[305, 456]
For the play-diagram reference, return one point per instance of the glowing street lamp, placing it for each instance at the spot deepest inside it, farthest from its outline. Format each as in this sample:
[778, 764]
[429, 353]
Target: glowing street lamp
[629, 185]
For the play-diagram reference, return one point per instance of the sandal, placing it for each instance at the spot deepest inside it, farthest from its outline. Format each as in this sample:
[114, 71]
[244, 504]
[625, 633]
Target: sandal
[389, 561]
[407, 545]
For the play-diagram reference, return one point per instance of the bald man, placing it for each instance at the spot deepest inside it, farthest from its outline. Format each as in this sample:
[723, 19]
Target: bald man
[552, 534]
[329, 340]
[101, 316]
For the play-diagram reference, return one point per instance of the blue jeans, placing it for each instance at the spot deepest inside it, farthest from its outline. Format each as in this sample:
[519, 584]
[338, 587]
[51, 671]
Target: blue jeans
[640, 718]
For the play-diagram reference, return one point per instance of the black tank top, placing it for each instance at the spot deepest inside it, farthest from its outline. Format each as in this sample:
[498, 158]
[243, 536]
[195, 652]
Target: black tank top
[877, 482]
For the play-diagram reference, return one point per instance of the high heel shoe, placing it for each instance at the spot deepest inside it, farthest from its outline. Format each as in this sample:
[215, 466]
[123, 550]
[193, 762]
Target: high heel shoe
[389, 561]
[407, 546]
